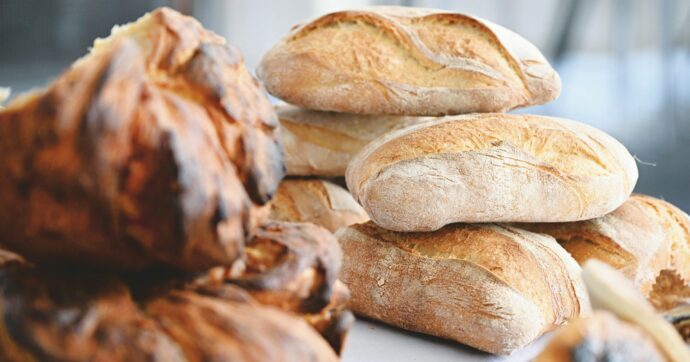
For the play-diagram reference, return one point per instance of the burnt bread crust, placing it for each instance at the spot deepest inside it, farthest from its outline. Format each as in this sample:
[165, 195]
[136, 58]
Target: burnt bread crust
[157, 148]
[282, 303]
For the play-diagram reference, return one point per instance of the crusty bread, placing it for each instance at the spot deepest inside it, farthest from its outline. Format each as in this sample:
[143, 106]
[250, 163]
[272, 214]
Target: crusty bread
[253, 311]
[603, 337]
[323, 143]
[316, 201]
[490, 168]
[676, 225]
[633, 239]
[609, 289]
[407, 61]
[157, 148]
[495, 288]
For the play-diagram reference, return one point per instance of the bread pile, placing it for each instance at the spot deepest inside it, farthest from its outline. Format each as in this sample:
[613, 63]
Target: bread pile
[133, 195]
[478, 218]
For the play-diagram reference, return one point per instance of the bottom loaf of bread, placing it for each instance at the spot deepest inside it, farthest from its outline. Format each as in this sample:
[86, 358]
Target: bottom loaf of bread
[493, 287]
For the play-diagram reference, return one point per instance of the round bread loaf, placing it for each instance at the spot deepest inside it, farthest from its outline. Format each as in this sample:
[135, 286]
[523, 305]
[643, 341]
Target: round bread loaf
[493, 287]
[490, 168]
[641, 238]
[323, 143]
[407, 61]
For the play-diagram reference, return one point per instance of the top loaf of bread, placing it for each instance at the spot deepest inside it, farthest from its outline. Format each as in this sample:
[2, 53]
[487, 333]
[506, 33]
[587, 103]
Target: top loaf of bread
[407, 61]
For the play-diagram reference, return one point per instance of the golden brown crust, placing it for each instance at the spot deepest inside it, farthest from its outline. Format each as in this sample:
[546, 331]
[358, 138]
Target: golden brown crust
[602, 337]
[157, 148]
[411, 61]
[492, 287]
[323, 143]
[676, 226]
[316, 201]
[633, 239]
[490, 167]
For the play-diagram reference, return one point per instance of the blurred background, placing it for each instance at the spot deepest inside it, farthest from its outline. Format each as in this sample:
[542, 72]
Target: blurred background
[625, 64]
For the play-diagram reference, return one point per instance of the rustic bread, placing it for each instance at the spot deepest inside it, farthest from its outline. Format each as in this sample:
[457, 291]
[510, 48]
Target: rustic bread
[323, 143]
[254, 311]
[602, 337]
[407, 61]
[157, 148]
[493, 287]
[316, 201]
[633, 239]
[490, 167]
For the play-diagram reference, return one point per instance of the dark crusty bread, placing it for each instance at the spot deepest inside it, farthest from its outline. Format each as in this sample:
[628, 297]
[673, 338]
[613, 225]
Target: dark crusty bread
[493, 287]
[156, 148]
[272, 306]
[407, 61]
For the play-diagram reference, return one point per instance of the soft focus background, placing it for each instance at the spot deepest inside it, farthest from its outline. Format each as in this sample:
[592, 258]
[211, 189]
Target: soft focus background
[625, 64]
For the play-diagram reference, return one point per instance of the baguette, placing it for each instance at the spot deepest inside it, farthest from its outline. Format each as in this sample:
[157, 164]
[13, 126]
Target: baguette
[493, 287]
[490, 168]
[407, 61]
[323, 143]
[636, 239]
[316, 201]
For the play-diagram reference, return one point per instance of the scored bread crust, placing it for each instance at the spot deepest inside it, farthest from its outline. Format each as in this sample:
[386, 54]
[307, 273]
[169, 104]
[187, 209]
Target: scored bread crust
[407, 61]
[490, 167]
[323, 143]
[157, 148]
[640, 239]
[317, 201]
[493, 287]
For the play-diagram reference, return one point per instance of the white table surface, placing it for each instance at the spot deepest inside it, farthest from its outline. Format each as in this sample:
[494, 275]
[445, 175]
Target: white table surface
[374, 341]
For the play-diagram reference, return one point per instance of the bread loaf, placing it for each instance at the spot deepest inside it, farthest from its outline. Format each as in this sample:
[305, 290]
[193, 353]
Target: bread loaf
[407, 61]
[323, 143]
[493, 287]
[490, 167]
[253, 311]
[317, 201]
[603, 337]
[633, 239]
[157, 148]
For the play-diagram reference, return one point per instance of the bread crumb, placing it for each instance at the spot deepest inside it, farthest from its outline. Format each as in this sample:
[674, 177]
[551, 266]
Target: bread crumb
[381, 282]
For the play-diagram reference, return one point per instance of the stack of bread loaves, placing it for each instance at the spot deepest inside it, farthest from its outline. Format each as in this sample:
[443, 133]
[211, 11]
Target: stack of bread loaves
[385, 96]
[133, 188]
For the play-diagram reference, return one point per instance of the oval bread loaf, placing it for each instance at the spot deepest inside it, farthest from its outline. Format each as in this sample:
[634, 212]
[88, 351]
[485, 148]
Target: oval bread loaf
[636, 239]
[490, 168]
[407, 61]
[495, 288]
[316, 201]
[323, 143]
